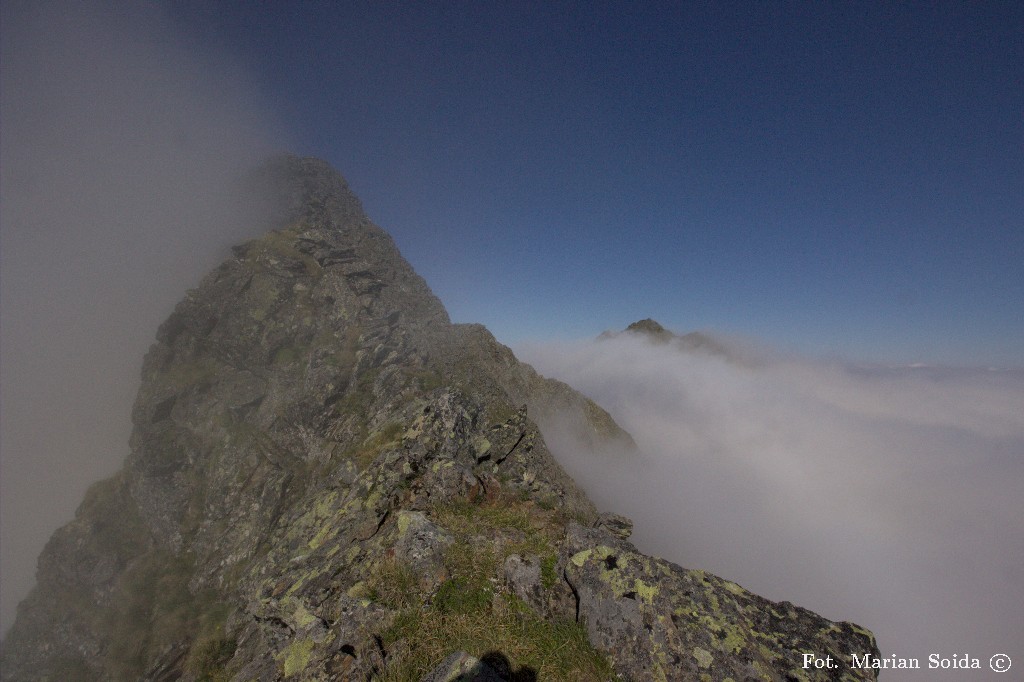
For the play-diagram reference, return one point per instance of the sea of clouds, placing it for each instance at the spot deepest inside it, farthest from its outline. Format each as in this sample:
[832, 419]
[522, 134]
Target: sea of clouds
[890, 497]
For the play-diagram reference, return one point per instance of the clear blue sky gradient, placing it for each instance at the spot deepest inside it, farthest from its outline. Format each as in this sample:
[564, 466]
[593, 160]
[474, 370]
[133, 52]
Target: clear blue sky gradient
[836, 178]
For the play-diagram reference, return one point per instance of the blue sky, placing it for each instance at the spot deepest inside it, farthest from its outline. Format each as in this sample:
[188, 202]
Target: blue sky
[839, 178]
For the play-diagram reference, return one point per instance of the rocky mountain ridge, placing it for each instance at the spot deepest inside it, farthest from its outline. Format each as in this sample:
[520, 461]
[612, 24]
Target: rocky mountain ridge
[329, 480]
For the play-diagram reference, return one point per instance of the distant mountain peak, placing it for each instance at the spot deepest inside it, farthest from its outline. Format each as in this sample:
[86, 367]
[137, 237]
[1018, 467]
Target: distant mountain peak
[654, 332]
[649, 327]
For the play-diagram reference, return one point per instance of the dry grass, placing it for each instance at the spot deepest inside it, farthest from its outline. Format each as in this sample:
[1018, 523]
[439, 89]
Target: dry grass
[473, 611]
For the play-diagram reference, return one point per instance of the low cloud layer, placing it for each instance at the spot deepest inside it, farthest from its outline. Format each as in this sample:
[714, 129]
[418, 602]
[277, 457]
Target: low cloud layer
[122, 145]
[893, 498]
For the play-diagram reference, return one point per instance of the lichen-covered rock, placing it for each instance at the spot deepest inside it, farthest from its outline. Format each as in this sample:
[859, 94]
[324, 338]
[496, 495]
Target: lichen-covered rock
[421, 545]
[619, 526]
[330, 481]
[658, 621]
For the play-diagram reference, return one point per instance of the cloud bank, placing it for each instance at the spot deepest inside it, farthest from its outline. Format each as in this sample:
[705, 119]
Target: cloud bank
[122, 144]
[893, 498]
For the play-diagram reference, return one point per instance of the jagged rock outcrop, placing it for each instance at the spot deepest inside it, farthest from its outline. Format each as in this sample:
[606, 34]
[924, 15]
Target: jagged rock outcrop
[329, 480]
[660, 621]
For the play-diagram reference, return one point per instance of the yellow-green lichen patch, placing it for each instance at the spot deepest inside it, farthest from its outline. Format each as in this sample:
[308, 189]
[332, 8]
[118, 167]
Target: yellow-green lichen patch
[580, 558]
[303, 618]
[734, 640]
[296, 656]
[404, 520]
[352, 506]
[644, 591]
[321, 537]
[373, 498]
[294, 587]
[326, 504]
[302, 579]
[314, 518]
[703, 657]
[734, 588]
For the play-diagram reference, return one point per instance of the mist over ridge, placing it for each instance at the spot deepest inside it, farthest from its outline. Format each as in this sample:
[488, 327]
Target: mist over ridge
[887, 496]
[123, 148]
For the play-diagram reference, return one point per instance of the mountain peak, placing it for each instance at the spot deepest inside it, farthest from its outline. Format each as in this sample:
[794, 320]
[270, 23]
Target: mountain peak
[653, 332]
[329, 480]
[649, 327]
[306, 187]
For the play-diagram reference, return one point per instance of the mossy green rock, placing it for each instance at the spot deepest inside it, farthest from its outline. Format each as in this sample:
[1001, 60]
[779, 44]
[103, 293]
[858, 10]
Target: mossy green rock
[328, 480]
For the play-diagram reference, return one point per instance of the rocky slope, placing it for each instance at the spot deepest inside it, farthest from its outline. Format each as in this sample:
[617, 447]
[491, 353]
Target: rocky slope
[329, 480]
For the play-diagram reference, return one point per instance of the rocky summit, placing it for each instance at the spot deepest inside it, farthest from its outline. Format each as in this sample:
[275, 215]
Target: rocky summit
[328, 480]
[693, 342]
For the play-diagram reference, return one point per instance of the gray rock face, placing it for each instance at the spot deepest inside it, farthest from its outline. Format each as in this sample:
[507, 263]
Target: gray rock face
[662, 622]
[329, 480]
